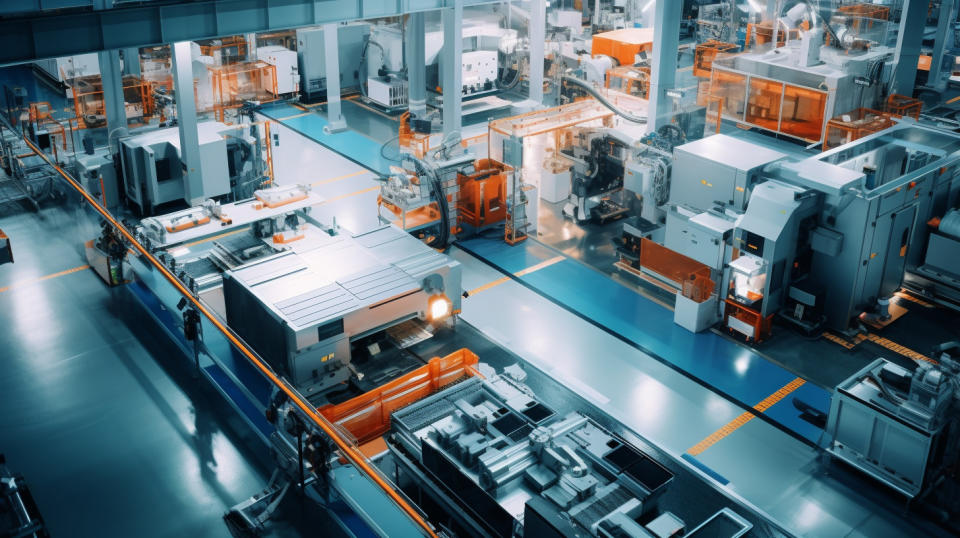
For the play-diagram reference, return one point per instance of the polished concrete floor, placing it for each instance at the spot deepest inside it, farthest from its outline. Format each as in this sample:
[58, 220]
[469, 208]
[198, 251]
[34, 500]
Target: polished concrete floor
[104, 417]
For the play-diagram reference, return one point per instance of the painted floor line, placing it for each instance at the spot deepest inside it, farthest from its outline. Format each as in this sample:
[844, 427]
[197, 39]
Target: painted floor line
[522, 272]
[349, 194]
[339, 178]
[45, 277]
[745, 417]
[778, 416]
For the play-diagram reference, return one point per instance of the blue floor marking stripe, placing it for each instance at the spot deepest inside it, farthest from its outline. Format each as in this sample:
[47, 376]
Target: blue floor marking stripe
[706, 470]
[350, 144]
[729, 368]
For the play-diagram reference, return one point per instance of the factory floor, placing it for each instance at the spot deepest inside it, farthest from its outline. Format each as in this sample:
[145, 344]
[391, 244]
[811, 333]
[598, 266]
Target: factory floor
[755, 460]
[105, 419]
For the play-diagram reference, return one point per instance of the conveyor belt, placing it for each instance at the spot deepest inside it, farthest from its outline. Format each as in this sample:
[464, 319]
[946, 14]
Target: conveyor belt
[730, 369]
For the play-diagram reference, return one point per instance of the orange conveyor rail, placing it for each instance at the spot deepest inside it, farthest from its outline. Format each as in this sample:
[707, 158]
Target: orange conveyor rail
[349, 451]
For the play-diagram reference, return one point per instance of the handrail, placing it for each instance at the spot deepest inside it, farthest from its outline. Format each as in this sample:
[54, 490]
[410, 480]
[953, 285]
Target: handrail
[349, 451]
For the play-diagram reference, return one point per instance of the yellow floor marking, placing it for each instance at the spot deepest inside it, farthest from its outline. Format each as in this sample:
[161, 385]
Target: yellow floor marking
[880, 341]
[522, 272]
[489, 285]
[42, 278]
[214, 238]
[745, 417]
[912, 299]
[349, 194]
[295, 116]
[338, 178]
[897, 348]
[839, 340]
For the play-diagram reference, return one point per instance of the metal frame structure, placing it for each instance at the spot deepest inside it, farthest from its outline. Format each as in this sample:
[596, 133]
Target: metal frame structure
[61, 33]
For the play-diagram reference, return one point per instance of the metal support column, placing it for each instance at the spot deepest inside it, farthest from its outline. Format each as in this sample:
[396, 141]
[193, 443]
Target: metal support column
[251, 39]
[331, 59]
[187, 122]
[663, 71]
[943, 36]
[538, 21]
[112, 79]
[131, 61]
[415, 51]
[913, 18]
[452, 76]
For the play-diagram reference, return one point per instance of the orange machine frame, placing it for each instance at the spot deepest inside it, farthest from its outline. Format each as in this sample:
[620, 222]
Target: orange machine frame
[623, 45]
[863, 121]
[902, 105]
[761, 325]
[780, 107]
[231, 41]
[863, 11]
[417, 143]
[482, 195]
[367, 416]
[88, 97]
[762, 33]
[230, 82]
[690, 277]
[40, 115]
[629, 79]
[704, 54]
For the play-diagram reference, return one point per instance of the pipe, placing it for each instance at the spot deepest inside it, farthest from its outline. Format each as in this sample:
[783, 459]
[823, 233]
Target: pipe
[350, 452]
[603, 100]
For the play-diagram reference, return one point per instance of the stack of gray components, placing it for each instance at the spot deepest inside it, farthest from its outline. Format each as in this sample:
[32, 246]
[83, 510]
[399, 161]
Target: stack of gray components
[508, 460]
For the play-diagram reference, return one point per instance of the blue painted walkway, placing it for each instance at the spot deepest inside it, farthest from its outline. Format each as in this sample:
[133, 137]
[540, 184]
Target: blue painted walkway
[729, 368]
[351, 144]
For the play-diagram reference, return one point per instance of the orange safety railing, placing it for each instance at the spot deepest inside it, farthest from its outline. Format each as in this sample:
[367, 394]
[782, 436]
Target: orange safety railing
[689, 275]
[367, 416]
[89, 105]
[350, 451]
[705, 53]
[902, 105]
[854, 125]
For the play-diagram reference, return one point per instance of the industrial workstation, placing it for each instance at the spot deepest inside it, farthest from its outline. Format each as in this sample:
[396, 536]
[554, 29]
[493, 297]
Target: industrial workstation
[611, 268]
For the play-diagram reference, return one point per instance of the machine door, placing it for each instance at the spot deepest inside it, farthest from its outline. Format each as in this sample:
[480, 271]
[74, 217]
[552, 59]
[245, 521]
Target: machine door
[896, 250]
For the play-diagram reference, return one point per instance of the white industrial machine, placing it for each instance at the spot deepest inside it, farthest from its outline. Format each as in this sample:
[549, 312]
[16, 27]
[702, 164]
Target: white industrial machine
[153, 173]
[351, 39]
[818, 242]
[899, 425]
[285, 62]
[306, 296]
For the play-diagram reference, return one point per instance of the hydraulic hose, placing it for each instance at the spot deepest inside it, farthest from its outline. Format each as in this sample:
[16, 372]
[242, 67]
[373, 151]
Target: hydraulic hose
[585, 86]
[350, 452]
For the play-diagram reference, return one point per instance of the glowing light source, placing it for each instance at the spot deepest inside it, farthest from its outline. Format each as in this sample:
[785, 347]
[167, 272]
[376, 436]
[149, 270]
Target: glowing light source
[439, 307]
